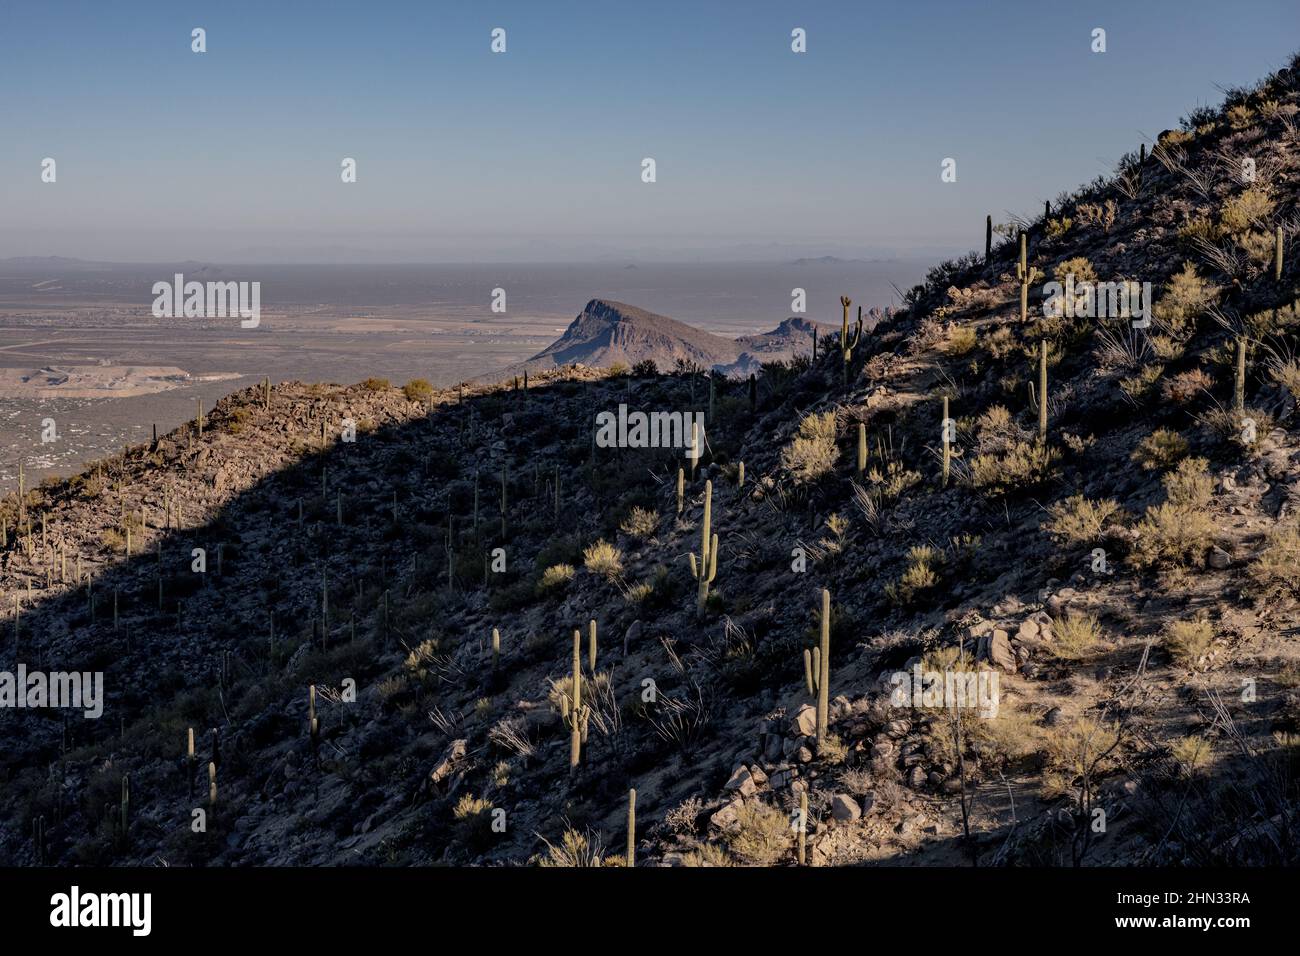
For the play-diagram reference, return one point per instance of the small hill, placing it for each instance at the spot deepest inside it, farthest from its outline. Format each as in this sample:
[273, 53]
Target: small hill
[608, 333]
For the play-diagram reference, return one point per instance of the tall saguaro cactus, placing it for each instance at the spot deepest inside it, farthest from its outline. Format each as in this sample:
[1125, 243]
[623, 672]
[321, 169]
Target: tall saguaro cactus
[1042, 390]
[847, 346]
[862, 449]
[591, 645]
[1022, 273]
[824, 672]
[631, 828]
[988, 239]
[1277, 254]
[572, 710]
[704, 568]
[1239, 382]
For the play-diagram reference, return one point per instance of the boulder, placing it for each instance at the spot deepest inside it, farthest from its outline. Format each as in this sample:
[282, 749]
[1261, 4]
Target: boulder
[844, 808]
[742, 781]
[804, 723]
[446, 766]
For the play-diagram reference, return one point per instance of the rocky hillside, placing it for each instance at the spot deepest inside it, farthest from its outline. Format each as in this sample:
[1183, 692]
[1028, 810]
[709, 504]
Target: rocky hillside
[612, 334]
[378, 662]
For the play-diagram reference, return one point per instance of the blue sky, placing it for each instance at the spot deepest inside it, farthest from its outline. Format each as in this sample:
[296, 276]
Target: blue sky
[535, 154]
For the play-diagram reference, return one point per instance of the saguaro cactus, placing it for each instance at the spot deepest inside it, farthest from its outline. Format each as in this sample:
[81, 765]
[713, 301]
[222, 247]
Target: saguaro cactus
[591, 645]
[1022, 273]
[946, 435]
[847, 346]
[496, 648]
[1239, 382]
[802, 827]
[862, 449]
[572, 710]
[212, 784]
[704, 568]
[631, 827]
[824, 672]
[1042, 390]
[1277, 254]
[190, 758]
[681, 489]
[988, 239]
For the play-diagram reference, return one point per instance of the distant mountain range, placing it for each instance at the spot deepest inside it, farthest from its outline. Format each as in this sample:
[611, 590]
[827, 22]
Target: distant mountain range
[607, 333]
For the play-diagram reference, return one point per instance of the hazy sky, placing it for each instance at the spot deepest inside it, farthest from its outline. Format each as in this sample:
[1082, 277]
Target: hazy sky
[535, 154]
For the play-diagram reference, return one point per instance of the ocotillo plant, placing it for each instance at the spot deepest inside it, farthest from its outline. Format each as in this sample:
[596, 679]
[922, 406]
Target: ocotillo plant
[591, 645]
[631, 827]
[705, 568]
[847, 346]
[824, 672]
[1042, 390]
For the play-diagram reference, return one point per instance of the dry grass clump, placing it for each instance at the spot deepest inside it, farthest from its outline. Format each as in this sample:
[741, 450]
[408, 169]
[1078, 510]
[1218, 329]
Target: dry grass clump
[1187, 641]
[961, 340]
[1187, 386]
[1275, 572]
[376, 384]
[640, 523]
[1192, 753]
[604, 559]
[812, 452]
[1085, 748]
[1178, 531]
[1163, 448]
[921, 574]
[1075, 636]
[1079, 267]
[762, 835]
[417, 390]
[575, 850]
[1080, 521]
[555, 578]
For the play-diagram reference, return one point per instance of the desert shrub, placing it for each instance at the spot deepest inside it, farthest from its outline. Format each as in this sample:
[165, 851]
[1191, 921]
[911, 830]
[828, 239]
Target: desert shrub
[1186, 297]
[555, 578]
[921, 574]
[618, 370]
[1079, 521]
[708, 854]
[417, 390]
[1178, 531]
[376, 384]
[1163, 448]
[812, 452]
[1001, 342]
[1192, 753]
[1139, 386]
[1021, 465]
[1250, 206]
[646, 368]
[639, 523]
[1075, 636]
[1187, 641]
[1239, 116]
[604, 559]
[762, 835]
[1230, 426]
[1093, 214]
[1086, 747]
[961, 340]
[574, 850]
[1275, 572]
[473, 821]
[1187, 386]
[1056, 228]
[1079, 267]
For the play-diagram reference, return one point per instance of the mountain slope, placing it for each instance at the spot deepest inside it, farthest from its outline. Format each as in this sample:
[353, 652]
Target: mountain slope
[1128, 573]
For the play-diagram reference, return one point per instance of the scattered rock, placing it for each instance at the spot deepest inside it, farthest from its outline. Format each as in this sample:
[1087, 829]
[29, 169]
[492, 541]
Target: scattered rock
[844, 808]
